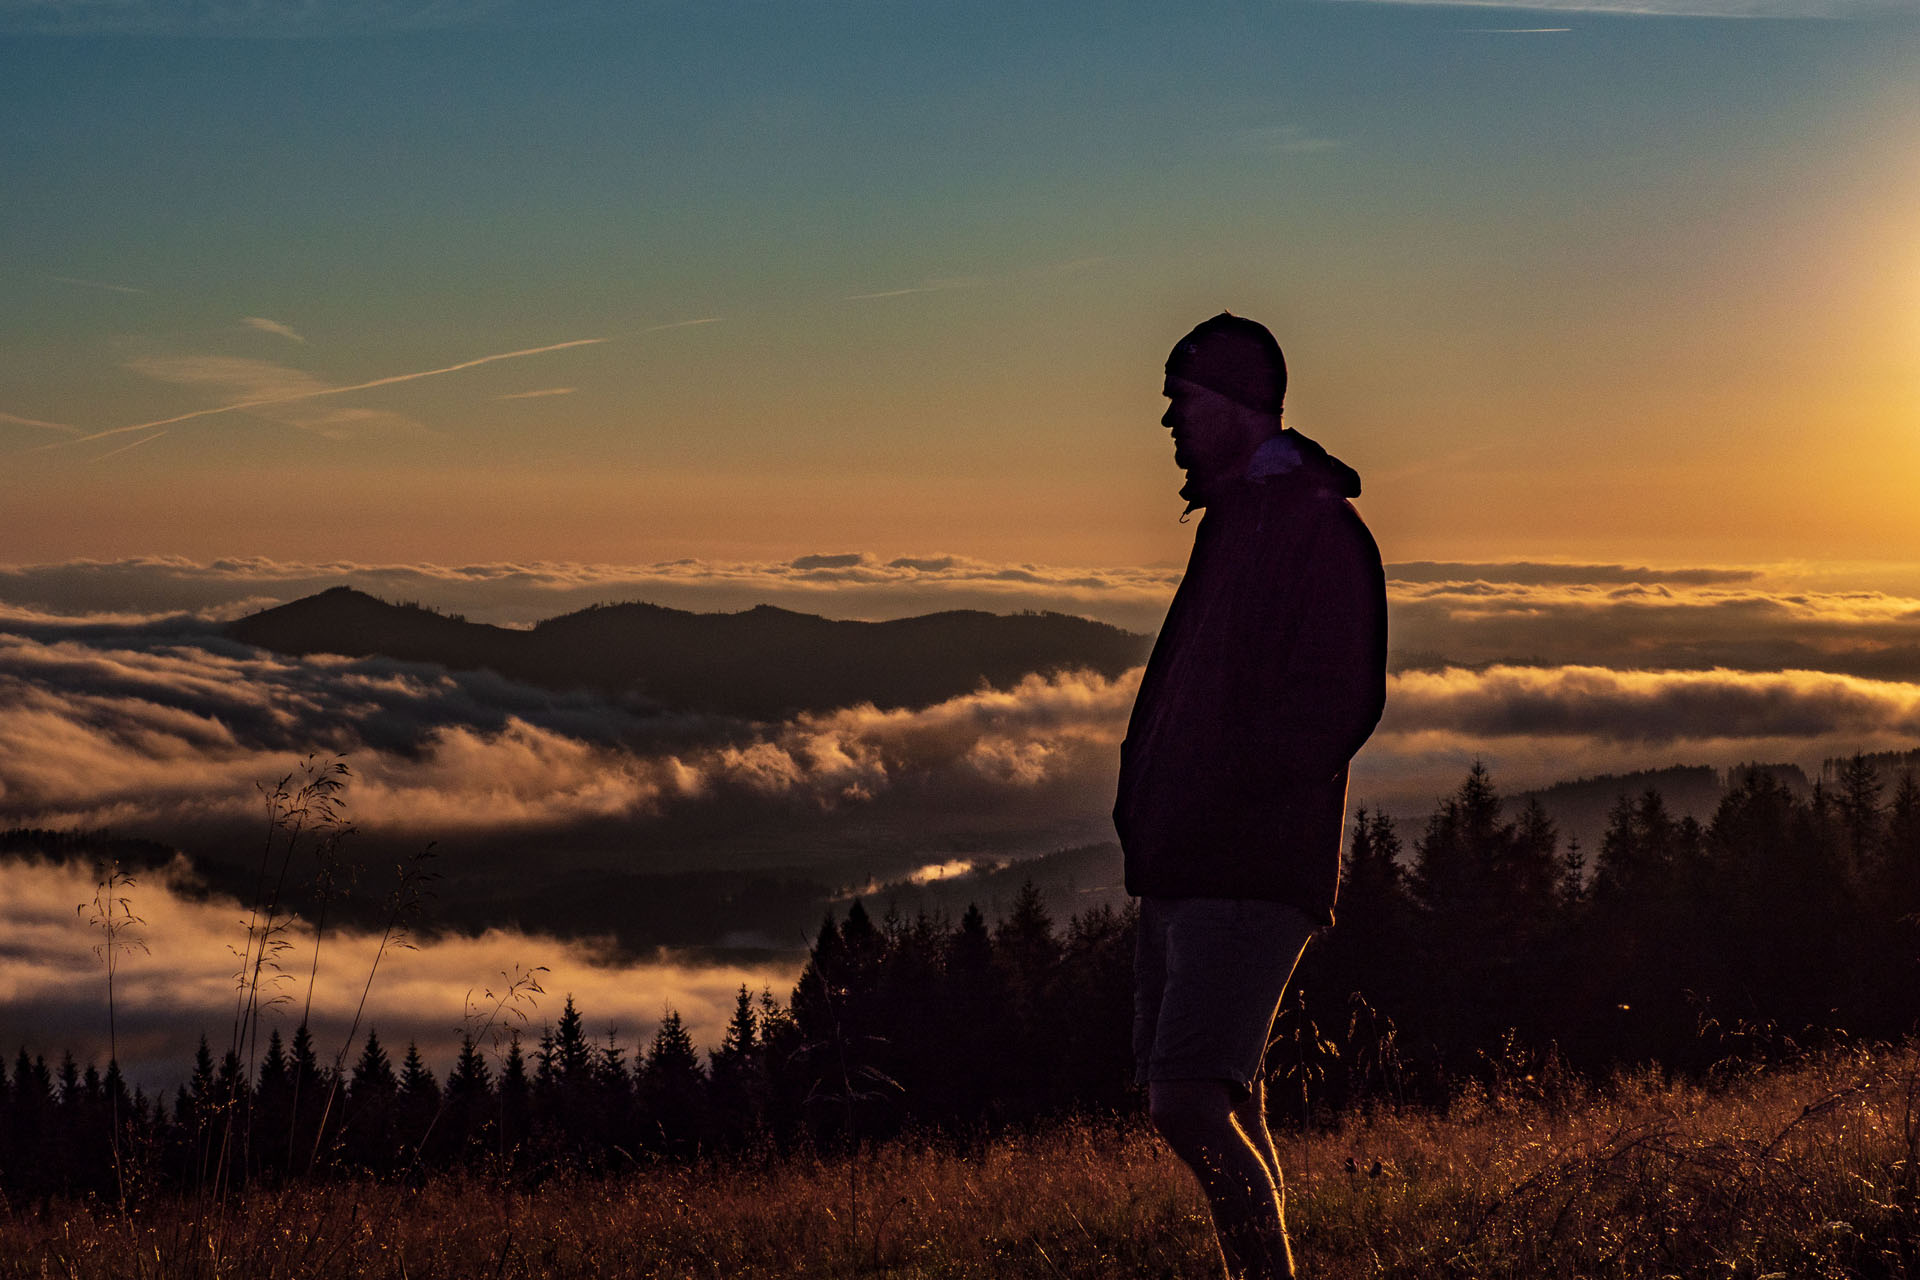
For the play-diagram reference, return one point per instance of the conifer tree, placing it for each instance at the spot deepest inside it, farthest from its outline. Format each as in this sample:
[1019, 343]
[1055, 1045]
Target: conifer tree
[1092, 1003]
[471, 1080]
[417, 1083]
[516, 1098]
[973, 1000]
[373, 1093]
[199, 1094]
[275, 1071]
[735, 1082]
[1572, 882]
[571, 1051]
[1859, 806]
[1455, 859]
[1463, 990]
[673, 1088]
[1360, 970]
[419, 1102]
[1028, 954]
[308, 1096]
[468, 1097]
[272, 1107]
[373, 1076]
[70, 1091]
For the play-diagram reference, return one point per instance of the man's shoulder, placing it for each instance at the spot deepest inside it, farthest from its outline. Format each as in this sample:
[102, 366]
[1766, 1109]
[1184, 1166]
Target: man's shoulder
[1307, 503]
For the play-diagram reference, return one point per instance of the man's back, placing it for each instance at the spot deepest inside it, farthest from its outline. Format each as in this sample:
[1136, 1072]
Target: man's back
[1268, 674]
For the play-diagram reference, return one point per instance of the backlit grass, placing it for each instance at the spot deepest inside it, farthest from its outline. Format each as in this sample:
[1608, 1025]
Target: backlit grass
[1807, 1170]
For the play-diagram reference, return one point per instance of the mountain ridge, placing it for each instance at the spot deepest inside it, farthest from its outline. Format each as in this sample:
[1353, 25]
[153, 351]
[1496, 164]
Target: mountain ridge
[761, 663]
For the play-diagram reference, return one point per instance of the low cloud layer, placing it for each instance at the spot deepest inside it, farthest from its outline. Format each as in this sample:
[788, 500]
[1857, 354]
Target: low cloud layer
[1656, 708]
[169, 736]
[175, 735]
[180, 980]
[1656, 625]
[1542, 571]
[146, 723]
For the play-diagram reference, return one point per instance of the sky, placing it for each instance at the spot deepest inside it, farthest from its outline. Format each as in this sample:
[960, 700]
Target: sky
[630, 283]
[861, 309]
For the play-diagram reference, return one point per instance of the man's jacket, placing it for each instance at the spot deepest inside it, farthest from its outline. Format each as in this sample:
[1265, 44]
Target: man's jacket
[1269, 673]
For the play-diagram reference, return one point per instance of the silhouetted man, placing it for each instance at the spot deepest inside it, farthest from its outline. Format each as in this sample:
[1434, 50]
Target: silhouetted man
[1269, 673]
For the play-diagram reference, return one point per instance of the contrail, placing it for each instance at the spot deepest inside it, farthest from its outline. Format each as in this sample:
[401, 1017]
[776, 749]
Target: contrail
[327, 391]
[938, 286]
[537, 395]
[95, 284]
[135, 445]
[17, 420]
[678, 324]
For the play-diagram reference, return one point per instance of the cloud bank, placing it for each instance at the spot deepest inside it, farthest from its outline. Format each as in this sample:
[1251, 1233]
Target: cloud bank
[53, 987]
[118, 714]
[1657, 625]
[170, 734]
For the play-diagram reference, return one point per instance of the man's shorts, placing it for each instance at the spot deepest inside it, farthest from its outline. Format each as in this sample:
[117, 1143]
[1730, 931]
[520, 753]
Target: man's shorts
[1208, 974]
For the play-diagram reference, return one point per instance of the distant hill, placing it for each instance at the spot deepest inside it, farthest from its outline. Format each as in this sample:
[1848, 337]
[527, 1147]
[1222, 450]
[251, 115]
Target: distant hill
[762, 663]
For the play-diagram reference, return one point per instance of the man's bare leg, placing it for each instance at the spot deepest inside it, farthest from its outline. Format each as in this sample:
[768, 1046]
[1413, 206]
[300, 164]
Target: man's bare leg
[1250, 1113]
[1197, 1119]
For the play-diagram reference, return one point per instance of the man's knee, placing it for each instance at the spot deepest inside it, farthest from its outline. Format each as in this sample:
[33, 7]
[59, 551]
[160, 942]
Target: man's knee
[1191, 1113]
[1250, 1108]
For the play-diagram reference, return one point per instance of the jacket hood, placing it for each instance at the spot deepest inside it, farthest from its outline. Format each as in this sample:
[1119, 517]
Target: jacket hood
[1335, 474]
[1288, 453]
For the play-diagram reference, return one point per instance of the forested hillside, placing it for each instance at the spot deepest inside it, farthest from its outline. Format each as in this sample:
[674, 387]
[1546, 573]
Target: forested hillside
[1490, 946]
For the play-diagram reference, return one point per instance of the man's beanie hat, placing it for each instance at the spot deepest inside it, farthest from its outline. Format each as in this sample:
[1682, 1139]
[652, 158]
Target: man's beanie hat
[1236, 357]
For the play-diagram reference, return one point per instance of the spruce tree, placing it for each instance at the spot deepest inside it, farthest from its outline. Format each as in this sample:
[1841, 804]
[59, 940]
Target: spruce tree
[417, 1084]
[973, 1002]
[373, 1076]
[1028, 954]
[735, 1081]
[469, 1094]
[372, 1097]
[516, 1099]
[571, 1051]
[419, 1103]
[673, 1089]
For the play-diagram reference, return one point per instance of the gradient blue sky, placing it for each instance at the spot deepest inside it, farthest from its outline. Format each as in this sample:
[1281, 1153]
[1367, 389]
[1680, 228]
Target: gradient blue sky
[1562, 281]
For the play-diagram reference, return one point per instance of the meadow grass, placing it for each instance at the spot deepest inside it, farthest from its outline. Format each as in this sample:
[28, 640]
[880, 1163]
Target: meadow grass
[1802, 1170]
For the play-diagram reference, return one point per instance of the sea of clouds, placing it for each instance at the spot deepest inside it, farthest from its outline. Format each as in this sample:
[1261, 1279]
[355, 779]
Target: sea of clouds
[123, 708]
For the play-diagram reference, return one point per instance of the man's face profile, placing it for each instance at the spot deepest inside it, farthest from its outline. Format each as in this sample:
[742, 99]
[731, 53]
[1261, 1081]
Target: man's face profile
[1211, 433]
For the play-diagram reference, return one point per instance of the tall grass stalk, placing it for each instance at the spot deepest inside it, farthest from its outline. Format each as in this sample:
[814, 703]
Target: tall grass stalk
[403, 907]
[112, 914]
[309, 816]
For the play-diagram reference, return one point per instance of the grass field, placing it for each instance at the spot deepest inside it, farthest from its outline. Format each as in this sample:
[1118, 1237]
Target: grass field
[1806, 1170]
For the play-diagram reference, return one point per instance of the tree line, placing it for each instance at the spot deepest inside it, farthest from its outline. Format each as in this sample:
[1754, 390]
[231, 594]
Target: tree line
[1492, 945]
[1496, 944]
